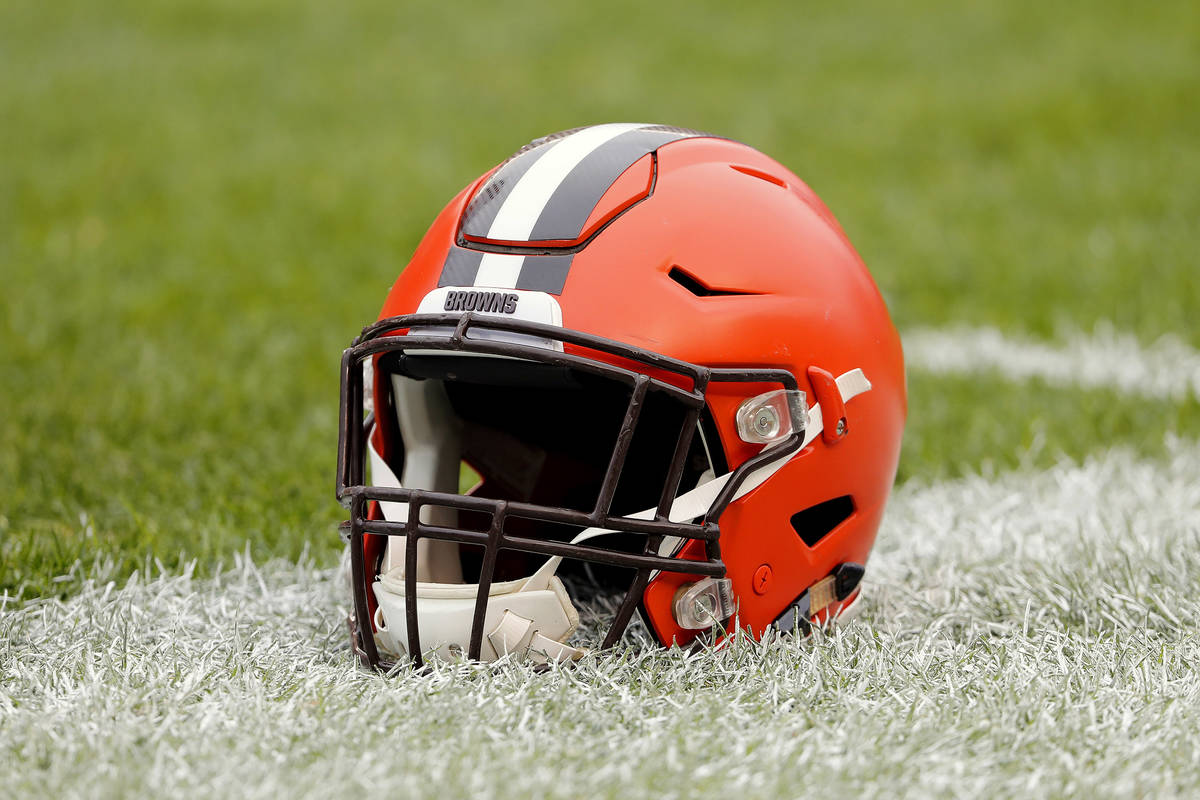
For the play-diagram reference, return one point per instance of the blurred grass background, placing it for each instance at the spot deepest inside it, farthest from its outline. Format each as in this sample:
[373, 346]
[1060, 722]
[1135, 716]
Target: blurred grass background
[201, 204]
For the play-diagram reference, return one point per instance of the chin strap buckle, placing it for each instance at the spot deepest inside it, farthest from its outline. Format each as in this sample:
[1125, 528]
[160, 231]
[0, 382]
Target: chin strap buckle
[833, 588]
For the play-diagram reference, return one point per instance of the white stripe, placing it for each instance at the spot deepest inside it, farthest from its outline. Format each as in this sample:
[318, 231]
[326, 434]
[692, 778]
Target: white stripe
[1039, 517]
[516, 218]
[499, 270]
[1166, 369]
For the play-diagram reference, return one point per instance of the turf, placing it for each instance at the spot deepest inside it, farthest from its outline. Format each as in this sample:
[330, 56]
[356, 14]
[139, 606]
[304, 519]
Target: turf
[1028, 636]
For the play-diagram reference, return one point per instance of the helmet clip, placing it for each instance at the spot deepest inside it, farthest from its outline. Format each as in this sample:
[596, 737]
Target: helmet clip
[704, 603]
[833, 407]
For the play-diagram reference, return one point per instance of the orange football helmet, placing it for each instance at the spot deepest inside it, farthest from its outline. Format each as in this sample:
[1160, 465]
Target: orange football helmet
[671, 372]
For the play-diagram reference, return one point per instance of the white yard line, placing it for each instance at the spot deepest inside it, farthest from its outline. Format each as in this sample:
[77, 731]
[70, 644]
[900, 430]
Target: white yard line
[1166, 369]
[1110, 503]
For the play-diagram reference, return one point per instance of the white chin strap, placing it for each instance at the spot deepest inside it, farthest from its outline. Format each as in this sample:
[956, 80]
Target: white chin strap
[532, 617]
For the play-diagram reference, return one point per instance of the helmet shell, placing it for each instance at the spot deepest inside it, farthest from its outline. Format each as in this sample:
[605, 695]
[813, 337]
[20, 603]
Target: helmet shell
[708, 251]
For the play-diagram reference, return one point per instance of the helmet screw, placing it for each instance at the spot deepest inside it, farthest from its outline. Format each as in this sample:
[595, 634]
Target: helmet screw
[766, 421]
[841, 427]
[762, 579]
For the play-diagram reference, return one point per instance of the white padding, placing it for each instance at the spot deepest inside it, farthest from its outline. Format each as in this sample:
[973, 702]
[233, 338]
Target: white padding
[447, 611]
[518, 637]
[432, 447]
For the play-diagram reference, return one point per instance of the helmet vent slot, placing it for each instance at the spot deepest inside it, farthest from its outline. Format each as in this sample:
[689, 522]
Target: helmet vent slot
[816, 522]
[758, 173]
[699, 287]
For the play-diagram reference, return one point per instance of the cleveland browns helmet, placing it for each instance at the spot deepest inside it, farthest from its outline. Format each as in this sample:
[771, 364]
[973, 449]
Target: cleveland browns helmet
[665, 370]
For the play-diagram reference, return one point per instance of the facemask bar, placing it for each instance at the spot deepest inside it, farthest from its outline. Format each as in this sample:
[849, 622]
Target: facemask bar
[354, 494]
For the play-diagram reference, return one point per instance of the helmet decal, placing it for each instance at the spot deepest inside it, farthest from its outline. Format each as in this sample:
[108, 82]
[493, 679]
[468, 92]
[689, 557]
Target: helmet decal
[581, 189]
[546, 193]
[536, 273]
[514, 218]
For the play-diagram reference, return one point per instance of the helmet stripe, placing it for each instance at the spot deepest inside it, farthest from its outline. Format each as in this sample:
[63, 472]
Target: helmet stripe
[544, 273]
[465, 267]
[461, 267]
[520, 211]
[546, 192]
[566, 211]
[488, 199]
[499, 270]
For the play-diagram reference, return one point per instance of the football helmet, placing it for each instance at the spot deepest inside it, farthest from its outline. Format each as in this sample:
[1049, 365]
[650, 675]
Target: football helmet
[665, 370]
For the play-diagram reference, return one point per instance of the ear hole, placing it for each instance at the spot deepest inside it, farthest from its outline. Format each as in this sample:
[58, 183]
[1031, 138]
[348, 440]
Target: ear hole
[816, 522]
[698, 287]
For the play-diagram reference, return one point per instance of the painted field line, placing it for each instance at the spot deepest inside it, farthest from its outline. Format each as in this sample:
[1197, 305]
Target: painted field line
[1053, 516]
[1167, 368]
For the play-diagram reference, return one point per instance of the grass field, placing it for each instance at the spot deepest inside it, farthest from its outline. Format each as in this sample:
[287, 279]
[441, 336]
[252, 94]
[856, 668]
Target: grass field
[201, 204]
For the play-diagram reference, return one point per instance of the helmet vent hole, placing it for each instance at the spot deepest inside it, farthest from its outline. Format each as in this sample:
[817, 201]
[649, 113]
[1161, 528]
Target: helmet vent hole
[816, 522]
[762, 176]
[699, 287]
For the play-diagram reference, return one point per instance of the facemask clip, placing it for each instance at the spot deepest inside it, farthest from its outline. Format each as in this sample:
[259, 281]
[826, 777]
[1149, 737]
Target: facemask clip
[772, 416]
[705, 603]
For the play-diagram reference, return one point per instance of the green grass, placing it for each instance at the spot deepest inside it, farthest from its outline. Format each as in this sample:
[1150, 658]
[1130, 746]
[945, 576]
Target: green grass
[201, 203]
